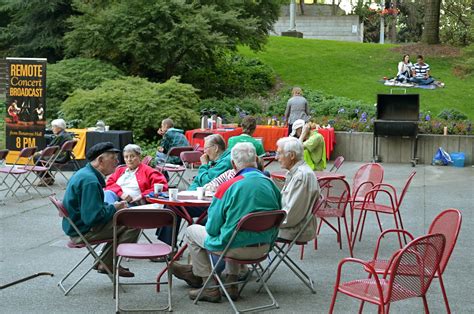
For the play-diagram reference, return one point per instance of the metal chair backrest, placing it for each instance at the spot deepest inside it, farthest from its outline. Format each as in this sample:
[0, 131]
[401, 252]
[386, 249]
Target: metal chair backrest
[415, 266]
[319, 203]
[448, 223]
[200, 135]
[27, 152]
[371, 172]
[3, 154]
[49, 151]
[59, 206]
[337, 164]
[190, 157]
[405, 189]
[147, 160]
[176, 151]
[261, 221]
[69, 146]
[337, 193]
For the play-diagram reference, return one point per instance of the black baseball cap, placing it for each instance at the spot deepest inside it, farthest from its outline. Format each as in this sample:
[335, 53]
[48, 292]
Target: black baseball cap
[100, 148]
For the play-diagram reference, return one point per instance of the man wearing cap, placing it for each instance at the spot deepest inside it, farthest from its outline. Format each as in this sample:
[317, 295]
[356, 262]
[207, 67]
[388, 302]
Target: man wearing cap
[84, 201]
[314, 146]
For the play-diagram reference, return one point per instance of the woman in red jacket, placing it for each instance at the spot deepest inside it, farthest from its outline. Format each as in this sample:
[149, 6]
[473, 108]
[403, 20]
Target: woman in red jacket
[133, 181]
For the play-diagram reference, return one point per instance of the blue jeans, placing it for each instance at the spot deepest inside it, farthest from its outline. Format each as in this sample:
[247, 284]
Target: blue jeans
[421, 81]
[110, 197]
[165, 234]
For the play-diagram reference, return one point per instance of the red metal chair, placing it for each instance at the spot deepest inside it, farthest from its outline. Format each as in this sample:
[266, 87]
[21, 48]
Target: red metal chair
[409, 275]
[364, 180]
[175, 171]
[253, 222]
[337, 193]
[372, 204]
[447, 223]
[142, 219]
[91, 246]
[198, 137]
[16, 172]
[337, 164]
[283, 246]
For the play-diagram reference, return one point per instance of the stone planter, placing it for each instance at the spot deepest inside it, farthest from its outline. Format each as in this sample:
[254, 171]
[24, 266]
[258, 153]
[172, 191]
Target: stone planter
[357, 146]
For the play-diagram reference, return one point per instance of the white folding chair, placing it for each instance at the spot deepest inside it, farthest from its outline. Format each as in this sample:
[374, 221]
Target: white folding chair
[16, 172]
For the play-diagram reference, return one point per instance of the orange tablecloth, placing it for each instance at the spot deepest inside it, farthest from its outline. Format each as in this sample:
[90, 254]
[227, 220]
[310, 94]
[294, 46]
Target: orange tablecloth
[226, 134]
[270, 135]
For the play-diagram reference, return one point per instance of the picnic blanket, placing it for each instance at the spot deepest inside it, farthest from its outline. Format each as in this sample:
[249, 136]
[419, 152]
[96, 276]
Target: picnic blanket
[394, 83]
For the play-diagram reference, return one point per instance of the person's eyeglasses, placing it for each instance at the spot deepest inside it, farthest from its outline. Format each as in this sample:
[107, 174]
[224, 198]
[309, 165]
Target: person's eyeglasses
[207, 147]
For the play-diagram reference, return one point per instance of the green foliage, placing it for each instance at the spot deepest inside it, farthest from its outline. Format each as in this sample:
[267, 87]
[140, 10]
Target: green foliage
[410, 21]
[465, 65]
[36, 27]
[159, 39]
[230, 109]
[452, 114]
[456, 22]
[70, 74]
[135, 104]
[232, 76]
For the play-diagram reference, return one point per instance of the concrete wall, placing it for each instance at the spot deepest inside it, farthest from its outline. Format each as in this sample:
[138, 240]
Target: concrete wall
[358, 147]
[343, 28]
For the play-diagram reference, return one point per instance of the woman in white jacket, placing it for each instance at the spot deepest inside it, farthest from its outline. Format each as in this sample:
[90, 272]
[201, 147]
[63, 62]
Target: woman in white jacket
[404, 69]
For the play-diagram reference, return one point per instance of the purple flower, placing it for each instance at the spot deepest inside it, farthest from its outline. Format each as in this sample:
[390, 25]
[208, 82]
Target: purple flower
[342, 110]
[372, 120]
[469, 127]
[420, 116]
[364, 120]
[364, 115]
[427, 118]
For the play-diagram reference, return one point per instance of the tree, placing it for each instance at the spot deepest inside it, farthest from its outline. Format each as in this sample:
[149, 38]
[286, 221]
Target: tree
[431, 22]
[456, 21]
[159, 39]
[36, 27]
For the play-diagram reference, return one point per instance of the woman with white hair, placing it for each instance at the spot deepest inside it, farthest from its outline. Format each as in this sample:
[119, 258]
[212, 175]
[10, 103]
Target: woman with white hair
[59, 138]
[300, 191]
[134, 180]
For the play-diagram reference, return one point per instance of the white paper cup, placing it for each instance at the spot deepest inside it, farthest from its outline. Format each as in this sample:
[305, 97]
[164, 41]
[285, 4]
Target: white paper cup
[157, 188]
[200, 193]
[158, 206]
[173, 194]
[107, 128]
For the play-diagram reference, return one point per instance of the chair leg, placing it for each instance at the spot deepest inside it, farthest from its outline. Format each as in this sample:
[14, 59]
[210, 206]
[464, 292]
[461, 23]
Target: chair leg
[339, 238]
[333, 301]
[363, 224]
[348, 237]
[425, 304]
[354, 237]
[396, 227]
[302, 252]
[445, 296]
[378, 221]
[361, 306]
[401, 226]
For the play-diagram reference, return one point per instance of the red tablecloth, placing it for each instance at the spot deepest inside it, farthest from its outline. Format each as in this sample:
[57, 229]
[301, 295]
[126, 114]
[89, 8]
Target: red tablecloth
[270, 135]
[226, 134]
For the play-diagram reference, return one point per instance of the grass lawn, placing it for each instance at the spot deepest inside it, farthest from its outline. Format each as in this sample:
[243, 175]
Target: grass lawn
[354, 69]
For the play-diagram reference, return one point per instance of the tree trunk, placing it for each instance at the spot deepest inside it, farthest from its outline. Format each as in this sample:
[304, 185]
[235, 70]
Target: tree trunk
[431, 22]
[392, 33]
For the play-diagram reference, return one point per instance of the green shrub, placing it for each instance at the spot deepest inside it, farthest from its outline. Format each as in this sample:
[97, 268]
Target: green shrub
[452, 114]
[230, 109]
[132, 103]
[232, 76]
[70, 74]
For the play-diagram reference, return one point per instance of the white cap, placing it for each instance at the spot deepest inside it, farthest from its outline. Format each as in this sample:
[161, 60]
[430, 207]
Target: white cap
[296, 125]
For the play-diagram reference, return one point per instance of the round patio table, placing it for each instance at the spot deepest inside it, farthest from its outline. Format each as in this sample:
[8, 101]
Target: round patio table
[180, 208]
[321, 175]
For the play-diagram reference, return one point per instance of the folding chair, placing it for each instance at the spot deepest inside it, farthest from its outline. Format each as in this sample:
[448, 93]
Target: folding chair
[143, 219]
[447, 223]
[91, 246]
[147, 160]
[337, 164]
[409, 275]
[198, 137]
[253, 222]
[41, 168]
[16, 171]
[282, 247]
[57, 167]
[3, 156]
[176, 171]
[189, 159]
[391, 206]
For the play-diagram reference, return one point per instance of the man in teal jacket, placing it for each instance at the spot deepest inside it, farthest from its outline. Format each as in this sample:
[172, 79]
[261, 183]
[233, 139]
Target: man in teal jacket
[249, 191]
[84, 202]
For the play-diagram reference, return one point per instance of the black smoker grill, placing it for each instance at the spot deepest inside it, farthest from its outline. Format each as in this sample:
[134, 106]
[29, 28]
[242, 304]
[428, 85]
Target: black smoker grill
[397, 115]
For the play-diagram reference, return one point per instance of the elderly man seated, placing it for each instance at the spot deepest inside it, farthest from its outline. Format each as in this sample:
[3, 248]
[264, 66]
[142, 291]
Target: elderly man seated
[313, 143]
[300, 191]
[249, 191]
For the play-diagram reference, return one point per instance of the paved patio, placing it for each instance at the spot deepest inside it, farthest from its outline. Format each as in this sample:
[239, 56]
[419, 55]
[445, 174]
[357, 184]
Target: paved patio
[32, 241]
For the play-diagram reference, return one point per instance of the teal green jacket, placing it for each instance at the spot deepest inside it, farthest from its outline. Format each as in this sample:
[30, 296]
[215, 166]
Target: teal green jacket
[249, 191]
[212, 170]
[84, 201]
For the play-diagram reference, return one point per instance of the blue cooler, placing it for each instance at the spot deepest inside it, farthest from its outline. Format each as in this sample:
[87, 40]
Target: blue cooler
[458, 159]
